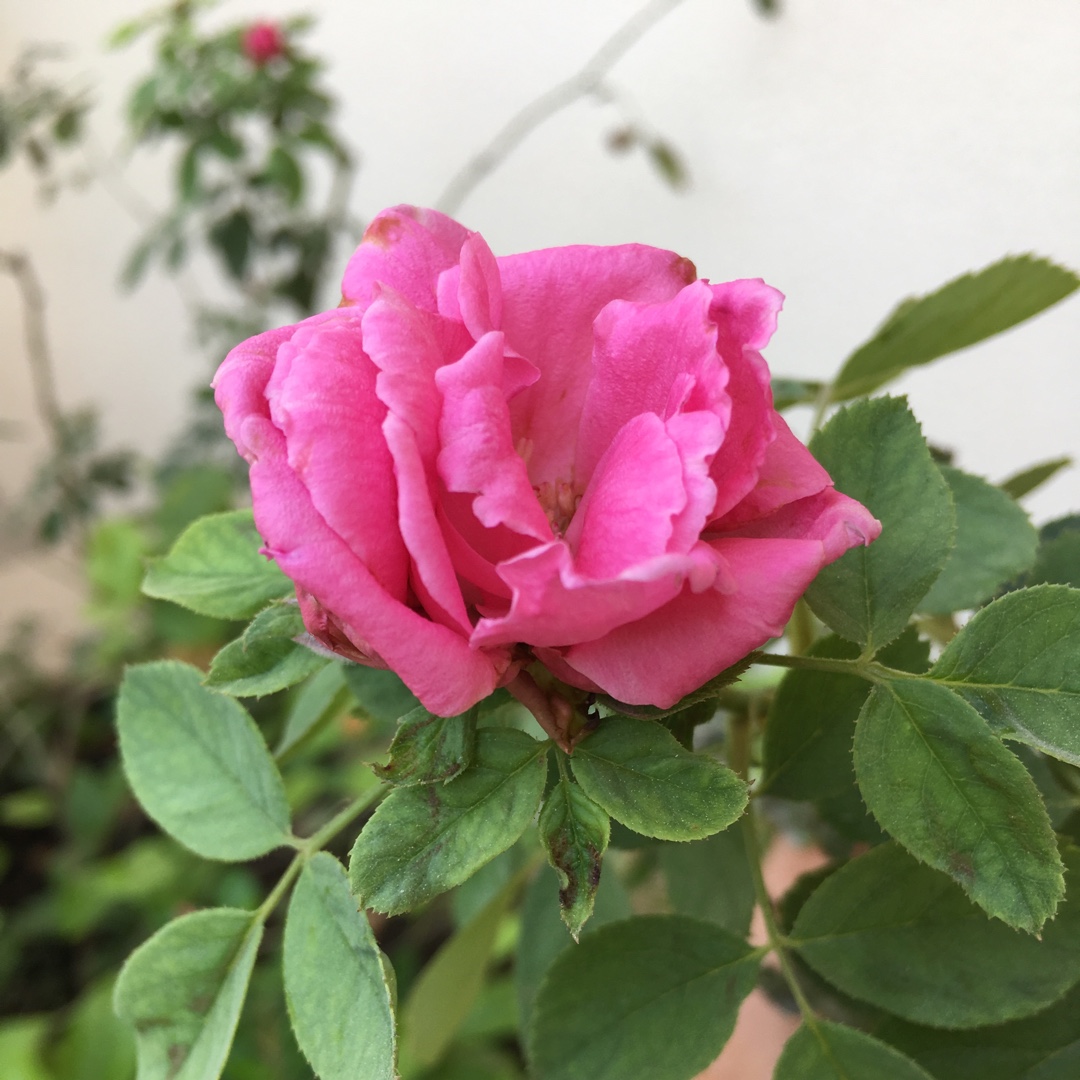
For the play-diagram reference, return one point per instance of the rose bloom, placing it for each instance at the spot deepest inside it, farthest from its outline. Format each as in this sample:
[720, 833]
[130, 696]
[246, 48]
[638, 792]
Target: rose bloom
[568, 456]
[262, 41]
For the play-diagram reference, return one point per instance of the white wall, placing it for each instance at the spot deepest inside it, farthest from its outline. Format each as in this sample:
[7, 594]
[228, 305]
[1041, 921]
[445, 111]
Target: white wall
[850, 152]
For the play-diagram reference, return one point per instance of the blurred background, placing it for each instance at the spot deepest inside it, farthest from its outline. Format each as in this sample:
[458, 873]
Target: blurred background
[187, 184]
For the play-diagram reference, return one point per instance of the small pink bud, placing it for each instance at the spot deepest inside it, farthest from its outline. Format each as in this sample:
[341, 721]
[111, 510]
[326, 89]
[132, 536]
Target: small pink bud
[263, 41]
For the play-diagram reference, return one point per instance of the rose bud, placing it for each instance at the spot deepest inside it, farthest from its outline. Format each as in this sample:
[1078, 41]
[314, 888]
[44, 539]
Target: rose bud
[262, 41]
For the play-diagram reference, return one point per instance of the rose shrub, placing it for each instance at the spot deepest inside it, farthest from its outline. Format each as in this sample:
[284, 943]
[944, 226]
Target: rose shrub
[568, 455]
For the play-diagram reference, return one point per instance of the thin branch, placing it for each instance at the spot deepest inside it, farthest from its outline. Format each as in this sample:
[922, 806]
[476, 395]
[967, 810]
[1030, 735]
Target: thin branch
[18, 265]
[584, 82]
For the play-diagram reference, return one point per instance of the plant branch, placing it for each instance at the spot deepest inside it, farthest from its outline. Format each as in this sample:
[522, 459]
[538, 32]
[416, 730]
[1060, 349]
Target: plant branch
[865, 669]
[305, 848]
[585, 81]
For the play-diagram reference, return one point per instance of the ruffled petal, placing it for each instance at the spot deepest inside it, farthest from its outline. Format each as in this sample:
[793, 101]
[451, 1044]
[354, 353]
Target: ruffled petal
[323, 399]
[745, 313]
[436, 663]
[477, 454]
[433, 577]
[660, 659]
[241, 380]
[789, 472]
[405, 248]
[550, 299]
[554, 606]
[651, 358]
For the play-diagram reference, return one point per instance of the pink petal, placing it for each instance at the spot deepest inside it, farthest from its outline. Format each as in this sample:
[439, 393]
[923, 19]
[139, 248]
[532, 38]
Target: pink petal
[626, 514]
[477, 454]
[405, 248]
[324, 402]
[408, 346]
[553, 605]
[660, 659]
[471, 292]
[837, 521]
[436, 663]
[433, 578]
[550, 299]
[745, 314]
[658, 358]
[789, 472]
[240, 382]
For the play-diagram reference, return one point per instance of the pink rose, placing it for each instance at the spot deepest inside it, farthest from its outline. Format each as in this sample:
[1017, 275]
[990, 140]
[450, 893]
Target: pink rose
[567, 455]
[262, 41]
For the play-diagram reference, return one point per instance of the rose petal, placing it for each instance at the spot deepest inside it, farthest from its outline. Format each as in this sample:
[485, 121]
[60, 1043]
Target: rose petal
[433, 577]
[651, 358]
[436, 663]
[477, 454]
[404, 248]
[323, 399]
[241, 380]
[789, 472]
[554, 605]
[471, 292]
[745, 313]
[659, 659]
[550, 299]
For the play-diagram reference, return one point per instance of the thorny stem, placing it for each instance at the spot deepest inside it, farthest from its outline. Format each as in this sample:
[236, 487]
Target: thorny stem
[588, 80]
[305, 848]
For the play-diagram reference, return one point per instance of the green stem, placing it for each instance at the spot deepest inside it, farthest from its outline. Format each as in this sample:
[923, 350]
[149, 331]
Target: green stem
[865, 669]
[315, 843]
[777, 941]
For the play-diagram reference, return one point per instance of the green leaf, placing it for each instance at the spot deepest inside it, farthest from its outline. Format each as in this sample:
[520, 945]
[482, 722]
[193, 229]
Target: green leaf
[641, 775]
[1058, 560]
[321, 699]
[811, 726]
[424, 840]
[668, 162]
[961, 313]
[339, 1001]
[875, 453]
[1016, 663]
[788, 392]
[1042, 1047]
[447, 988]
[834, 1052]
[198, 764]
[904, 937]
[544, 935]
[973, 811]
[575, 833]
[183, 989]
[381, 694]
[215, 568]
[710, 879]
[232, 238]
[994, 543]
[266, 657]
[283, 170]
[655, 996]
[1020, 484]
[429, 749]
